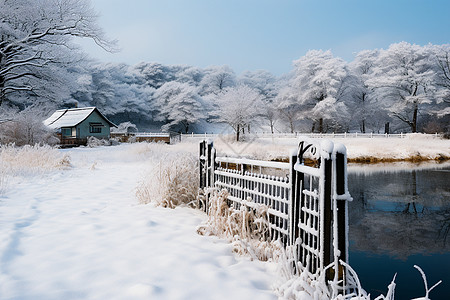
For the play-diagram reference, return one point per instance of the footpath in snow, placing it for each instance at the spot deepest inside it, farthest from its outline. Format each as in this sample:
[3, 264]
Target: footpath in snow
[79, 233]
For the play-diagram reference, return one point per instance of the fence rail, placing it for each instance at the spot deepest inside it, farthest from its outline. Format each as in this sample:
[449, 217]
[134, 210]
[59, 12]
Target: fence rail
[245, 181]
[306, 205]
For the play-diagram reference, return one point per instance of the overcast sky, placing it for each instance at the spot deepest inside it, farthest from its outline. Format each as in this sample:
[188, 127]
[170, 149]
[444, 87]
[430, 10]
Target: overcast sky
[262, 34]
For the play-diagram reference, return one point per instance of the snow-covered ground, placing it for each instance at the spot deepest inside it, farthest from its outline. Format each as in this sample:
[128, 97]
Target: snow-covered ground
[79, 233]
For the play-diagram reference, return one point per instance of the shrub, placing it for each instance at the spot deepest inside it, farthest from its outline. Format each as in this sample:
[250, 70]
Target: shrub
[93, 142]
[25, 127]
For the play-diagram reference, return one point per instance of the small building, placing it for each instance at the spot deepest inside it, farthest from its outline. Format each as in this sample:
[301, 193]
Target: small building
[153, 137]
[128, 137]
[75, 125]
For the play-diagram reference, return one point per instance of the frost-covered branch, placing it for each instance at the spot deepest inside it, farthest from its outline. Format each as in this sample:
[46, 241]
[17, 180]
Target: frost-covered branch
[34, 39]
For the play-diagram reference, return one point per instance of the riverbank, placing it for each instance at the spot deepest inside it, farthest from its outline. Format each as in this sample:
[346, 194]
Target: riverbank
[411, 148]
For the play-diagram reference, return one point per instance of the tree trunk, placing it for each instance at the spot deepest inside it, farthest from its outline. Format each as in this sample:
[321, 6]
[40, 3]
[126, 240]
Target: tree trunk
[363, 129]
[2, 86]
[237, 133]
[414, 120]
[291, 124]
[321, 125]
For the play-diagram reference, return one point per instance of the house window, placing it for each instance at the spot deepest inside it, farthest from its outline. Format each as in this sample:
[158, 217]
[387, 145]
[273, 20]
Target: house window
[66, 131]
[95, 127]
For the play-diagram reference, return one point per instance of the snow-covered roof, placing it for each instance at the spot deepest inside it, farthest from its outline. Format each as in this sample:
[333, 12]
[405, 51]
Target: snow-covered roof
[71, 117]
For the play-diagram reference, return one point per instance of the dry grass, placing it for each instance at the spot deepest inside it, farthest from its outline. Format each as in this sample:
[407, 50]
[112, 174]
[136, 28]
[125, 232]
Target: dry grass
[173, 181]
[35, 159]
[246, 228]
[29, 161]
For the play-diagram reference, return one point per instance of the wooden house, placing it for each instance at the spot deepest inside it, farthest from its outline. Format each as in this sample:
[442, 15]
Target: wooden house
[75, 125]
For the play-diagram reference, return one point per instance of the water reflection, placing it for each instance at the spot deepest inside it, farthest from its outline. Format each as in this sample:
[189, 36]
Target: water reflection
[399, 214]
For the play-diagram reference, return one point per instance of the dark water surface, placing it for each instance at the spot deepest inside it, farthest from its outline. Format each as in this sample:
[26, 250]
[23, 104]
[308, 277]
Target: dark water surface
[400, 217]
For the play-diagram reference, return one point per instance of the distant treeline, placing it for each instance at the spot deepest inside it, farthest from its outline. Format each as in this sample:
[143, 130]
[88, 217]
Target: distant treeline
[406, 86]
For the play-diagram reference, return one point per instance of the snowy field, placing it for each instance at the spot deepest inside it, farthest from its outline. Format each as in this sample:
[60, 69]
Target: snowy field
[78, 232]
[71, 226]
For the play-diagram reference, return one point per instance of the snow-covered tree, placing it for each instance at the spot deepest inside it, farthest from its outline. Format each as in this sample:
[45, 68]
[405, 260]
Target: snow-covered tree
[403, 76]
[216, 79]
[365, 109]
[117, 90]
[443, 61]
[288, 106]
[155, 74]
[262, 80]
[267, 85]
[318, 82]
[35, 39]
[442, 81]
[238, 107]
[25, 127]
[179, 105]
[125, 127]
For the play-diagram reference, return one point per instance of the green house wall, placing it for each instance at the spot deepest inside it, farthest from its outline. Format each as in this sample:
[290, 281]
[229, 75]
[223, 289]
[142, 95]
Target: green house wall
[82, 129]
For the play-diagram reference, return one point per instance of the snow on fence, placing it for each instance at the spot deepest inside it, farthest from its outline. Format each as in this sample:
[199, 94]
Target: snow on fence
[307, 204]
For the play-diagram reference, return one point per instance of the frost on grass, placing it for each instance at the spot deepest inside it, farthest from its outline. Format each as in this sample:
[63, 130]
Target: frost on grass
[246, 228]
[29, 161]
[93, 142]
[172, 181]
[298, 284]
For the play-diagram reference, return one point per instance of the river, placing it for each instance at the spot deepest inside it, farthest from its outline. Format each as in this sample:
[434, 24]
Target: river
[400, 217]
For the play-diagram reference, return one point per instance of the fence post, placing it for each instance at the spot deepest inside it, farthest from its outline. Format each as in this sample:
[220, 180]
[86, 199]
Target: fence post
[241, 181]
[295, 179]
[209, 163]
[210, 160]
[213, 165]
[327, 213]
[342, 221]
[202, 165]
